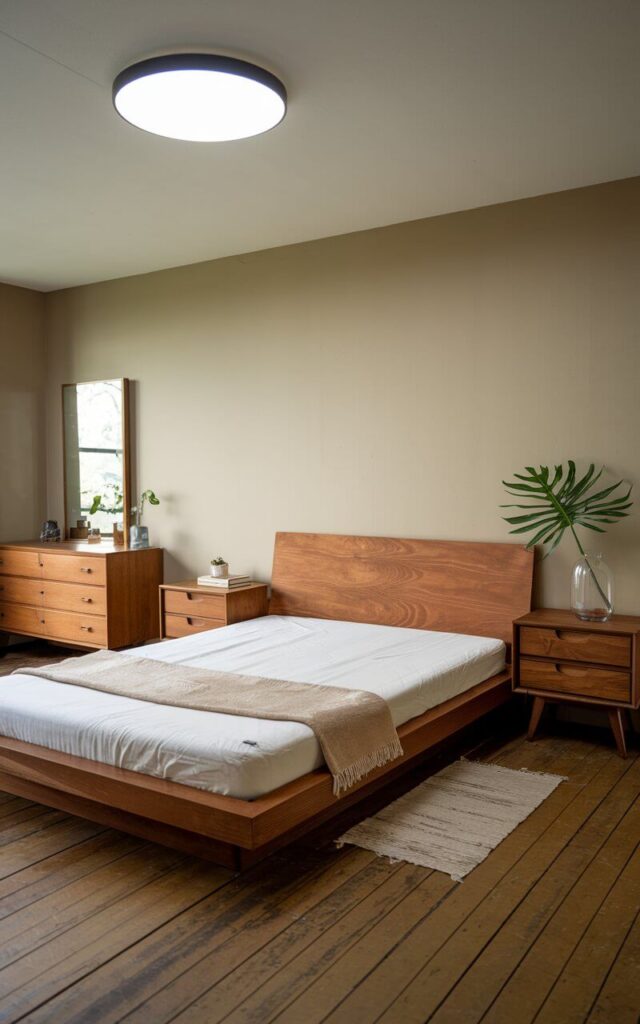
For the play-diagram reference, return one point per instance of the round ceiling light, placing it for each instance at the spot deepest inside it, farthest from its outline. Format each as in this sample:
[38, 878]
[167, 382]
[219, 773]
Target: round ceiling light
[199, 97]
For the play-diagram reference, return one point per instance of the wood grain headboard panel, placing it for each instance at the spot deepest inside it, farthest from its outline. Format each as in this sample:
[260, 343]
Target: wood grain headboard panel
[451, 586]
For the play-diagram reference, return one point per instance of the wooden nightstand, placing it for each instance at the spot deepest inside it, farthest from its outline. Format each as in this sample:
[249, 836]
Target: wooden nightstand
[187, 608]
[556, 657]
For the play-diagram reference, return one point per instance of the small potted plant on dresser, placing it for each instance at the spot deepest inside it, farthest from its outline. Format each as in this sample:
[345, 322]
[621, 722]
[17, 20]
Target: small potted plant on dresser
[139, 534]
[219, 567]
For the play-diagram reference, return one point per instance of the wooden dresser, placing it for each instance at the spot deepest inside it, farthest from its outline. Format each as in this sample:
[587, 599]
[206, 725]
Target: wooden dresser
[559, 658]
[90, 595]
[188, 608]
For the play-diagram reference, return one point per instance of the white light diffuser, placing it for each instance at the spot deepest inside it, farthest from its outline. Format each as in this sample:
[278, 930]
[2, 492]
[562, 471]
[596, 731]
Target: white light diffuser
[199, 97]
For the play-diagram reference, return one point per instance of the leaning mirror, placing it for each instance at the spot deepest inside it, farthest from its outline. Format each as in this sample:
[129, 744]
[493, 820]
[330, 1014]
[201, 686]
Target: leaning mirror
[96, 456]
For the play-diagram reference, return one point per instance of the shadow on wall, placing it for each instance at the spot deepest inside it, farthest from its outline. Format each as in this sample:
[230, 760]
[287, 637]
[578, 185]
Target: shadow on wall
[174, 568]
[20, 466]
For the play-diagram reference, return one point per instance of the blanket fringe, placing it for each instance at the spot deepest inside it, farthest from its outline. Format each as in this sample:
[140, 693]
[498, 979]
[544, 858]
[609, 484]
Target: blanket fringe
[348, 777]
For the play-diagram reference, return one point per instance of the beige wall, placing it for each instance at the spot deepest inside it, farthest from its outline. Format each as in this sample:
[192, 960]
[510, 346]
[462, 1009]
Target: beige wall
[22, 399]
[382, 382]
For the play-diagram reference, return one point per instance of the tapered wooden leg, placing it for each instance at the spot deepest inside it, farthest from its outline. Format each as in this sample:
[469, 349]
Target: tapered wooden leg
[536, 715]
[617, 728]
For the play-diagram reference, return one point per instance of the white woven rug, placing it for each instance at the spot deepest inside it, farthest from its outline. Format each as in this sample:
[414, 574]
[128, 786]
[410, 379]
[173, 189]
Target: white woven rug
[454, 819]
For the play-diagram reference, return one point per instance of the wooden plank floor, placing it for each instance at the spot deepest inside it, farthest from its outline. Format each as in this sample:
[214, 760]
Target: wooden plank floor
[96, 926]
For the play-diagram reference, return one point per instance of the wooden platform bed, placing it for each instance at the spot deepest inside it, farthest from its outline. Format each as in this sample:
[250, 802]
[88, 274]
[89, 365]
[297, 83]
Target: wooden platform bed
[471, 588]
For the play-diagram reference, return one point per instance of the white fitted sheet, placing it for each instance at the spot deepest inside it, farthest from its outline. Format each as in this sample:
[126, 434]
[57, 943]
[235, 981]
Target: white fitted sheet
[412, 669]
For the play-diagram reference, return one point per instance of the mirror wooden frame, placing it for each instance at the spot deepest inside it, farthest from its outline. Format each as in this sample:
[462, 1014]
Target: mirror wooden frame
[126, 456]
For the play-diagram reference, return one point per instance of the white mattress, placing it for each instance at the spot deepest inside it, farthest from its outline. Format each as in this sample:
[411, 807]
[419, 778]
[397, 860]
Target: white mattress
[246, 757]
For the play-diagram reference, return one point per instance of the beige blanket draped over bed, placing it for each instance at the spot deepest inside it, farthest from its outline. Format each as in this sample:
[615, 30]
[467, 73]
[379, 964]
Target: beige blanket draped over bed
[353, 727]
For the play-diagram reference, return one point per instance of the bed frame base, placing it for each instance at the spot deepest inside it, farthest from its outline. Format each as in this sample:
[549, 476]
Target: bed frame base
[228, 831]
[154, 831]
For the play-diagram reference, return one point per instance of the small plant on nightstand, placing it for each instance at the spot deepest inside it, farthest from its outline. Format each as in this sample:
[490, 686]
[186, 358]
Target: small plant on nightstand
[219, 567]
[561, 502]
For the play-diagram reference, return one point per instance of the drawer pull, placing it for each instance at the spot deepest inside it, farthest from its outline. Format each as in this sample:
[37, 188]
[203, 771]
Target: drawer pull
[87, 629]
[83, 568]
[41, 564]
[571, 670]
[87, 600]
[573, 636]
[189, 621]
[42, 593]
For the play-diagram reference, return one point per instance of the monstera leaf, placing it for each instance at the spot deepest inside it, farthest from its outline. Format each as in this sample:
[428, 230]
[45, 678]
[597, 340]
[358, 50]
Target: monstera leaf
[557, 501]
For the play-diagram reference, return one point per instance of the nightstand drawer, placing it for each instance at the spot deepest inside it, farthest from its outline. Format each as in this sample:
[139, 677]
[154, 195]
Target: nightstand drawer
[582, 681]
[189, 602]
[576, 645]
[185, 625]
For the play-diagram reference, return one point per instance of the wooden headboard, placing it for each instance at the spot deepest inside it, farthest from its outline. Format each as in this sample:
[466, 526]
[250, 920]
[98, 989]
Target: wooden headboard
[451, 586]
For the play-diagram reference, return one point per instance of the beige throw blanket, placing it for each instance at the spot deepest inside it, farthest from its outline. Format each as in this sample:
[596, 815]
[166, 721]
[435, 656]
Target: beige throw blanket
[353, 727]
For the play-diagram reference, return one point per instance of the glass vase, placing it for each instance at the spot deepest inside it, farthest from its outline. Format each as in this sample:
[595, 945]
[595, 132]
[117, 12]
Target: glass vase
[138, 537]
[592, 588]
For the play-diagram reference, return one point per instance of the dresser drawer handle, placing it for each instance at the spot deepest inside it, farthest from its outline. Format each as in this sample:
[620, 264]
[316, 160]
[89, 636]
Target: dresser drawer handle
[87, 629]
[189, 621]
[87, 600]
[83, 568]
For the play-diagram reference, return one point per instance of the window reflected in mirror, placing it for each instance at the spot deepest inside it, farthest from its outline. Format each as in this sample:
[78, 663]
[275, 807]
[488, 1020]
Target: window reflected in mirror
[96, 457]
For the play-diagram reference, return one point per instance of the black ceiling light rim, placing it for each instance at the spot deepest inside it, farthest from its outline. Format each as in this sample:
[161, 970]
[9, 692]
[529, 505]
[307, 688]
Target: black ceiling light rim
[198, 62]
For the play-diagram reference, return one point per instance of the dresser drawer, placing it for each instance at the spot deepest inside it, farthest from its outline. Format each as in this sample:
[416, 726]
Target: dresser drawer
[74, 597]
[185, 625]
[184, 602]
[582, 681]
[81, 629]
[19, 618]
[576, 645]
[19, 563]
[21, 591]
[74, 568]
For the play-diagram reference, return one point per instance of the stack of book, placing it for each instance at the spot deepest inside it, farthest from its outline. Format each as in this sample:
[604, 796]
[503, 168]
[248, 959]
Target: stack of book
[225, 582]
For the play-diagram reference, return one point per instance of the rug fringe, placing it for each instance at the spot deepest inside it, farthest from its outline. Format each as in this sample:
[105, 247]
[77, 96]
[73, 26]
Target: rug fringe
[544, 775]
[525, 771]
[347, 777]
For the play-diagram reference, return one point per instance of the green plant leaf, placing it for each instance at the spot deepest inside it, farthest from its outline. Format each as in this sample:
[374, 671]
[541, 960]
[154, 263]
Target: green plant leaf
[563, 500]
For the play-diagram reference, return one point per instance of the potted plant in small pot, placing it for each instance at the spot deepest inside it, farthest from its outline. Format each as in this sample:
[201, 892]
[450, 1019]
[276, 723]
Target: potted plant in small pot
[219, 567]
[561, 500]
[139, 534]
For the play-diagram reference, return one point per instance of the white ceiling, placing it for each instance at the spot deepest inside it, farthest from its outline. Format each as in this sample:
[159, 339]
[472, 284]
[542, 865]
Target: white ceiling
[398, 109]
